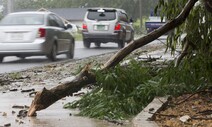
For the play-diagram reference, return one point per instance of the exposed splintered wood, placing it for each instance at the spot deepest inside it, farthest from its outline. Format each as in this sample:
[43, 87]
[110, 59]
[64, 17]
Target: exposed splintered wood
[45, 98]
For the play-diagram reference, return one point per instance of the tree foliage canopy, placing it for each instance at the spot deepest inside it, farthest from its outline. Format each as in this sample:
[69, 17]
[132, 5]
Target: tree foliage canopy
[197, 27]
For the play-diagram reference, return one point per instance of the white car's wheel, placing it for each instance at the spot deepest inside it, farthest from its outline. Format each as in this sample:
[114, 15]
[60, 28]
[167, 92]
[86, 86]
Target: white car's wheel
[70, 53]
[53, 54]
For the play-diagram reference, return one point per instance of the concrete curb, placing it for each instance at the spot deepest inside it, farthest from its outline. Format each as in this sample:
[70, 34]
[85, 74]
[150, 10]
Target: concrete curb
[143, 119]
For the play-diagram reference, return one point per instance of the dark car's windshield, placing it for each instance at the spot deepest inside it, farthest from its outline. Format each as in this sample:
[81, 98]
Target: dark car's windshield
[107, 15]
[23, 19]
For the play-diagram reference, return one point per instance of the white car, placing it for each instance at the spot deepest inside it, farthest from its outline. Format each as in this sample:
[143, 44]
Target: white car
[25, 34]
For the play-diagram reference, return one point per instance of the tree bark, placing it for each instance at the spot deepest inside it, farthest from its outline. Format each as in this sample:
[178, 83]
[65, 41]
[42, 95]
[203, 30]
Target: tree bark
[45, 98]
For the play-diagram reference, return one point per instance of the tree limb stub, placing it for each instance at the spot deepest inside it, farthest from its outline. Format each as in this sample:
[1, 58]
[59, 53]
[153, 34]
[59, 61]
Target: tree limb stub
[45, 98]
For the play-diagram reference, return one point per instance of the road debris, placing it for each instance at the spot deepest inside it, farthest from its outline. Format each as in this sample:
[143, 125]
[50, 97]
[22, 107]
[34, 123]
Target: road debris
[28, 90]
[4, 114]
[185, 118]
[22, 113]
[20, 106]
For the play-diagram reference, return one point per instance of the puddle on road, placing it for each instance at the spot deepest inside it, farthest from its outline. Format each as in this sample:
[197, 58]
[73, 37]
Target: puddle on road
[53, 116]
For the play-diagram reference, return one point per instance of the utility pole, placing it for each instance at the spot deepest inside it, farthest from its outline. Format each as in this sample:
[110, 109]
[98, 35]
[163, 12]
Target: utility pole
[140, 12]
[10, 6]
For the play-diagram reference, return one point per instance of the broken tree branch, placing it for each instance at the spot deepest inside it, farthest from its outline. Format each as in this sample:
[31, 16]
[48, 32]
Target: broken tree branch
[121, 54]
[46, 97]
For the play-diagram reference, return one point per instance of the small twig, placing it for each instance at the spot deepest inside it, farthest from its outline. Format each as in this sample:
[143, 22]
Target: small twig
[32, 93]
[185, 99]
[113, 121]
[20, 106]
[190, 97]
[173, 116]
[205, 112]
[29, 90]
[201, 118]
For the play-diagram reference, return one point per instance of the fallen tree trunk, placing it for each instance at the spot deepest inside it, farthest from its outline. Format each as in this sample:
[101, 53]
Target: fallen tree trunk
[45, 98]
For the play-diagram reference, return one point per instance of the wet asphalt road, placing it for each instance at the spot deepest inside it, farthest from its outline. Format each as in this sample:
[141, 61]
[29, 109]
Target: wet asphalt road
[12, 63]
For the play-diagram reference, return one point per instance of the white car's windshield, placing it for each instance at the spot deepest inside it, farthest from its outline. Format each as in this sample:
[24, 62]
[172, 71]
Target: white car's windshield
[23, 19]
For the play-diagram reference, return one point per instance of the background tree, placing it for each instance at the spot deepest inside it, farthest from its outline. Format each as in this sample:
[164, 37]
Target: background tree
[131, 6]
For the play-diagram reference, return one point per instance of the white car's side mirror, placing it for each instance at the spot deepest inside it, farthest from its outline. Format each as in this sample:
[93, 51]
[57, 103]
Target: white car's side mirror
[69, 26]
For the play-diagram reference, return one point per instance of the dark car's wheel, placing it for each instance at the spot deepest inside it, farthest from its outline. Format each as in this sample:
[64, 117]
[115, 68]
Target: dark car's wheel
[53, 54]
[1, 59]
[132, 37]
[97, 44]
[70, 53]
[121, 44]
[86, 44]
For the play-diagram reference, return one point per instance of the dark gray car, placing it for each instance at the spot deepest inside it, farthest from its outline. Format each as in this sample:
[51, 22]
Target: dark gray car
[102, 25]
[25, 34]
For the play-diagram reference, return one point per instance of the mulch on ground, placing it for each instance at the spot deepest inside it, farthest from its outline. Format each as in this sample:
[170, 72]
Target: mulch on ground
[188, 110]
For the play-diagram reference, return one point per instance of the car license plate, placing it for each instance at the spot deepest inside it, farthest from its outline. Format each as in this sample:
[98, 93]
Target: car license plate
[101, 27]
[16, 36]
